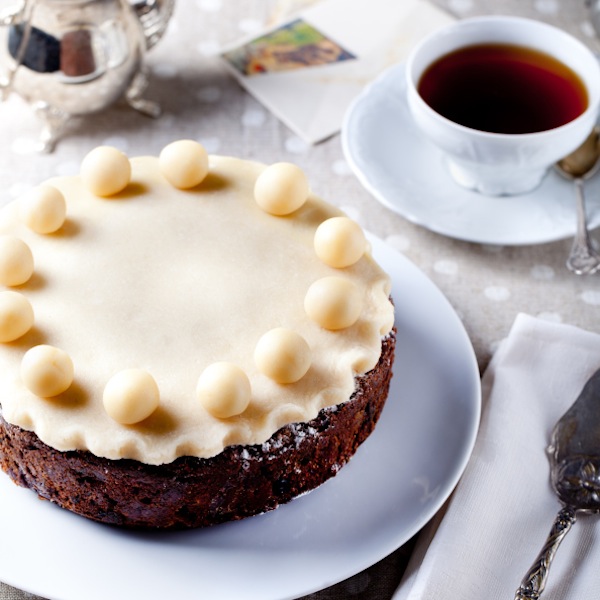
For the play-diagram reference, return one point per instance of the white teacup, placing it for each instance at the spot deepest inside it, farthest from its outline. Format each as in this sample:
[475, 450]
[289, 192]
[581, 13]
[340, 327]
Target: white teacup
[499, 163]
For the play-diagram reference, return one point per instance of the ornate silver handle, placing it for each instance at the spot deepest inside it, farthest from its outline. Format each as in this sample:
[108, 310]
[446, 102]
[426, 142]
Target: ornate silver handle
[583, 260]
[534, 582]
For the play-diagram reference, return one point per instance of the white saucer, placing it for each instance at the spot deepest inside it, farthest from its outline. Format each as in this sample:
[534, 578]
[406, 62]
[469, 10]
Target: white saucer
[406, 173]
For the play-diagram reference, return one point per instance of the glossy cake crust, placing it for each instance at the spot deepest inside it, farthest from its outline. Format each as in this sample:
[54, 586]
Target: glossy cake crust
[193, 492]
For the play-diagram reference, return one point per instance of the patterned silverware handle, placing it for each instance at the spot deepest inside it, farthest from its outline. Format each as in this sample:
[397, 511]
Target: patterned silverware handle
[534, 582]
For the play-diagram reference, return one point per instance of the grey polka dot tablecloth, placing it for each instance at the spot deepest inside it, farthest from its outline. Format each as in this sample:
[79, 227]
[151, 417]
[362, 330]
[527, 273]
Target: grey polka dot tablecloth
[488, 285]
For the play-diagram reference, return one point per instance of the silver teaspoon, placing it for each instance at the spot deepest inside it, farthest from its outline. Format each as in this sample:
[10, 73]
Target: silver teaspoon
[574, 455]
[578, 166]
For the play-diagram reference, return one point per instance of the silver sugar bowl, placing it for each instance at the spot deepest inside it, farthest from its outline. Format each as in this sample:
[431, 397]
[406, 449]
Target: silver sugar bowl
[74, 57]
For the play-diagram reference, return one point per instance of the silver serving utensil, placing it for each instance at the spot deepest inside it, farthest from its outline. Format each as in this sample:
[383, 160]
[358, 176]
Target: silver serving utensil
[577, 167]
[574, 455]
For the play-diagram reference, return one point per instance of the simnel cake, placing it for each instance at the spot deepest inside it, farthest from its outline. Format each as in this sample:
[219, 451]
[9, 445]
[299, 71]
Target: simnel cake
[185, 339]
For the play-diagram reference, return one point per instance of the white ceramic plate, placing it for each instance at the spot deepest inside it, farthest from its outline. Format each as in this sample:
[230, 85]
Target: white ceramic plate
[408, 174]
[396, 482]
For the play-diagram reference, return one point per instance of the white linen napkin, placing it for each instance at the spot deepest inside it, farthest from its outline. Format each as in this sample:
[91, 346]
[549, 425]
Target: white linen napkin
[498, 518]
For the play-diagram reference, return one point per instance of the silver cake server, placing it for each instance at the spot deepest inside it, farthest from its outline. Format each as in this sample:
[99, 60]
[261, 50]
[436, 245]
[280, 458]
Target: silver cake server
[574, 455]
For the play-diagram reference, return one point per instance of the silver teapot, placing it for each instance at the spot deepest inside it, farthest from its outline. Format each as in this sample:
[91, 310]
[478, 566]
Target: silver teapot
[74, 57]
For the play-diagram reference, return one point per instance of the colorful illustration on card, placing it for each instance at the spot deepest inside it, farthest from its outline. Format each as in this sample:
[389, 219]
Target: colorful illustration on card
[296, 45]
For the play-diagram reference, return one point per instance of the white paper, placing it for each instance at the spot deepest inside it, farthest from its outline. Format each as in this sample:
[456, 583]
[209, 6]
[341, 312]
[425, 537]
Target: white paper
[312, 99]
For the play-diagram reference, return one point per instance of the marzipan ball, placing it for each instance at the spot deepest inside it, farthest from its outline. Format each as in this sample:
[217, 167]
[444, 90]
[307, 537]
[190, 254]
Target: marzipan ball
[340, 242]
[16, 316]
[282, 355]
[131, 396]
[16, 261]
[43, 209]
[281, 189]
[105, 171]
[333, 302]
[184, 164]
[224, 390]
[47, 371]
